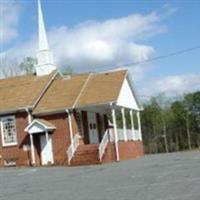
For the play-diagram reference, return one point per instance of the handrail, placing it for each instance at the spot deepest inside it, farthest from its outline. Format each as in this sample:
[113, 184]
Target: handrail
[73, 147]
[103, 145]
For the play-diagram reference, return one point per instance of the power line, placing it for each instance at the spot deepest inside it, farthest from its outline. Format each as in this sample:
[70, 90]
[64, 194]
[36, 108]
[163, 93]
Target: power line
[179, 52]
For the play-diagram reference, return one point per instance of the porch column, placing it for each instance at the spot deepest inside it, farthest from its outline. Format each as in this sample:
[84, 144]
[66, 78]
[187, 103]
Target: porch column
[32, 149]
[31, 139]
[139, 126]
[70, 127]
[132, 125]
[47, 136]
[124, 124]
[115, 132]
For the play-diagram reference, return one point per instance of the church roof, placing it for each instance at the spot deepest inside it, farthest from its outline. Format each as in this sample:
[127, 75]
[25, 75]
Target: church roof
[102, 88]
[21, 92]
[52, 93]
[81, 90]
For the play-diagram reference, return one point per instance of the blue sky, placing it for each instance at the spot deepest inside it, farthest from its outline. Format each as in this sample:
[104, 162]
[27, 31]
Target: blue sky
[172, 26]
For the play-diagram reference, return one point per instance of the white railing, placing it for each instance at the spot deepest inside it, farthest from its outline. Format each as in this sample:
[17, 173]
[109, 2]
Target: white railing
[111, 135]
[103, 145]
[73, 147]
[131, 135]
[120, 133]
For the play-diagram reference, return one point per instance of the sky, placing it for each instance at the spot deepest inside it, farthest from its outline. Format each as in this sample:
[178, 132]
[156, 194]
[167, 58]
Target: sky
[99, 35]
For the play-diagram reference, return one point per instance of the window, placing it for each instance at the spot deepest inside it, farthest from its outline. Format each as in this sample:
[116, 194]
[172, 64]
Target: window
[8, 131]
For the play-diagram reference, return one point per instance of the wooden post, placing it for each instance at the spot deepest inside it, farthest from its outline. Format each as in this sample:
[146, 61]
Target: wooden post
[132, 125]
[31, 139]
[70, 127]
[139, 125]
[47, 136]
[124, 124]
[32, 149]
[115, 132]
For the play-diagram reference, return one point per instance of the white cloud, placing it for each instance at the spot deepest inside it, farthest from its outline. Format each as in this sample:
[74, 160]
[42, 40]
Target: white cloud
[96, 45]
[9, 19]
[173, 85]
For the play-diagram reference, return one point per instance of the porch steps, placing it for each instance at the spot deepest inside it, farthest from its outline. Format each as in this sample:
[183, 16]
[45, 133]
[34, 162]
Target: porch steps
[86, 155]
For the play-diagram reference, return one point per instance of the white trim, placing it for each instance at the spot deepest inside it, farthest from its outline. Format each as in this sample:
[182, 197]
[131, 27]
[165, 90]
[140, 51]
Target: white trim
[32, 149]
[82, 89]
[126, 96]
[31, 139]
[130, 80]
[132, 125]
[2, 132]
[139, 126]
[124, 123]
[70, 127]
[44, 90]
[40, 123]
[116, 135]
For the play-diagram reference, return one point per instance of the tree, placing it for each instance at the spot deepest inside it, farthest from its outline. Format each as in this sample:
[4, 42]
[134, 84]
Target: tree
[182, 114]
[67, 71]
[192, 102]
[171, 125]
[28, 65]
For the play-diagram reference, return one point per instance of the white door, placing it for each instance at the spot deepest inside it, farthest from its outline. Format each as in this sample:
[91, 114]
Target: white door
[92, 125]
[46, 150]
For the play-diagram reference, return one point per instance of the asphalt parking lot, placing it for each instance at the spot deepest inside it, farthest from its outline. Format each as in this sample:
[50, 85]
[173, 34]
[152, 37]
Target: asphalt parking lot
[173, 176]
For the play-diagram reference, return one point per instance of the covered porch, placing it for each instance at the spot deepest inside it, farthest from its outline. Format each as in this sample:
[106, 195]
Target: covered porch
[98, 119]
[104, 124]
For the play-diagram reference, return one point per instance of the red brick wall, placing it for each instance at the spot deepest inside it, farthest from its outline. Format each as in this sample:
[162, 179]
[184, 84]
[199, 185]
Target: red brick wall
[127, 150]
[60, 137]
[130, 149]
[61, 142]
[16, 152]
[110, 155]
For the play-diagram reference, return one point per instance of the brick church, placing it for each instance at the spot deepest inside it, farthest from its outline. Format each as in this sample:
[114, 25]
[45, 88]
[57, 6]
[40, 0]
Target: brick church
[50, 119]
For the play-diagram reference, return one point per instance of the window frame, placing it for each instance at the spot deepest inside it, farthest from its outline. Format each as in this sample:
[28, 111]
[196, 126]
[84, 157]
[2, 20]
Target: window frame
[4, 144]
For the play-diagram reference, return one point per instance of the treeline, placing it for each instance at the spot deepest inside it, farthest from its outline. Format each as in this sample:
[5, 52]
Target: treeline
[170, 126]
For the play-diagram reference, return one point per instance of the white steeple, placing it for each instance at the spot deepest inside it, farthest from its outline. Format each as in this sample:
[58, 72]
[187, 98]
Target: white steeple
[45, 60]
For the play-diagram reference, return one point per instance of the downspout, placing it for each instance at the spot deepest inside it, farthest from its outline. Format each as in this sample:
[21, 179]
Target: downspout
[31, 137]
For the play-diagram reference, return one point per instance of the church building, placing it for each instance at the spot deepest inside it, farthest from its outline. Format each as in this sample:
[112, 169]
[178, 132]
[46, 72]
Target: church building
[50, 119]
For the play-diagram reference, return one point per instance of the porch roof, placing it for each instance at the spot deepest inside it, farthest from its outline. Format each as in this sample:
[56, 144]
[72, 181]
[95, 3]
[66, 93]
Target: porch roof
[39, 126]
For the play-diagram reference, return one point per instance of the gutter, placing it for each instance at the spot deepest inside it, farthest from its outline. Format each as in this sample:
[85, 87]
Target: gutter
[14, 110]
[62, 110]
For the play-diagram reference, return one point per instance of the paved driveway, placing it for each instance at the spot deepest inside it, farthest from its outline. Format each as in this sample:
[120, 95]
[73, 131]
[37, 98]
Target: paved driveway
[158, 177]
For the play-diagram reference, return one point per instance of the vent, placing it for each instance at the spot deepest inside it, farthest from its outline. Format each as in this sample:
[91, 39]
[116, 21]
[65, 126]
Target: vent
[9, 163]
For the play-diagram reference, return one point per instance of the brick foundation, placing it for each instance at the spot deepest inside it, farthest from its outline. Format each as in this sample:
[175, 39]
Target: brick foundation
[127, 150]
[130, 149]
